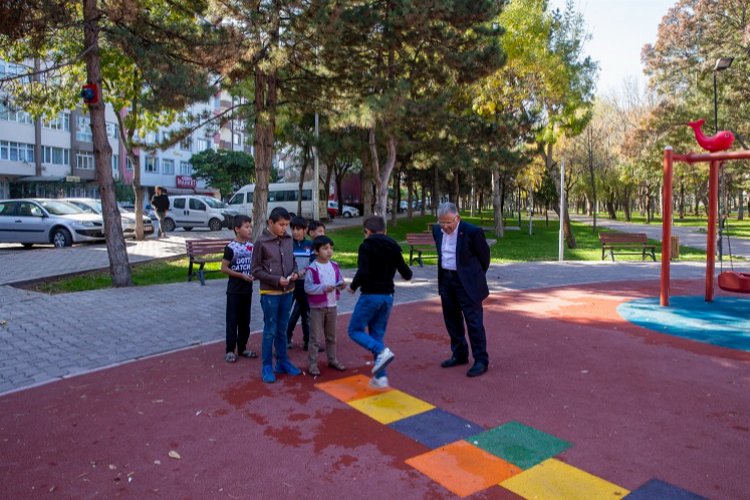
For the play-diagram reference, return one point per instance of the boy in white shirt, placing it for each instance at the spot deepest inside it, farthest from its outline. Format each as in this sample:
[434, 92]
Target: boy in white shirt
[323, 285]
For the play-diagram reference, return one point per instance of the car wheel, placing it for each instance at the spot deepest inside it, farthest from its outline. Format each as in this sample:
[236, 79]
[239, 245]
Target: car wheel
[168, 225]
[61, 238]
[347, 215]
[187, 228]
[214, 225]
[27, 245]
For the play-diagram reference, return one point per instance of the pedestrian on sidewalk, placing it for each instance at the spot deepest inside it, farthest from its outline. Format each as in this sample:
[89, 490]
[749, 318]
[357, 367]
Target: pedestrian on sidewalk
[463, 260]
[237, 264]
[315, 228]
[276, 270]
[323, 285]
[160, 203]
[302, 248]
[377, 262]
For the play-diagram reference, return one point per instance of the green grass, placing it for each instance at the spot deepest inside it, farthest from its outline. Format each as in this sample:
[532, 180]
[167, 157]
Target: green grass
[516, 246]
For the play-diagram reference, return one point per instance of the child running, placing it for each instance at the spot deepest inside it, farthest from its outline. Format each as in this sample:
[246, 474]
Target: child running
[236, 264]
[323, 284]
[378, 260]
[274, 266]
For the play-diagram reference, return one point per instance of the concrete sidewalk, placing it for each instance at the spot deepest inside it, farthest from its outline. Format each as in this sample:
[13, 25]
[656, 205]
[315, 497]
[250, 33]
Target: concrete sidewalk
[691, 236]
[48, 337]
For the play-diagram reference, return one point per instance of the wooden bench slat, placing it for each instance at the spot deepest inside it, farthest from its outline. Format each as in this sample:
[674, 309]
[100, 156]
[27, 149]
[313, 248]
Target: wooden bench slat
[198, 252]
[636, 242]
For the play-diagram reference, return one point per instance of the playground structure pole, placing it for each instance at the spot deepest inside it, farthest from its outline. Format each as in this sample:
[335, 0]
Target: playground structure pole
[715, 160]
[666, 228]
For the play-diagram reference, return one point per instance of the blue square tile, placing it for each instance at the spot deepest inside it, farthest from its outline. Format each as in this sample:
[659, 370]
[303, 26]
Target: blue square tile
[655, 489]
[436, 428]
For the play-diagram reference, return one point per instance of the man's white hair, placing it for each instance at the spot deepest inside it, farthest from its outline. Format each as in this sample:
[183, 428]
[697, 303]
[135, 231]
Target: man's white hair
[446, 208]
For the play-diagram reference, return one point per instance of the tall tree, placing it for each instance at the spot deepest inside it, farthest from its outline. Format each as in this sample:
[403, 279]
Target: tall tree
[380, 56]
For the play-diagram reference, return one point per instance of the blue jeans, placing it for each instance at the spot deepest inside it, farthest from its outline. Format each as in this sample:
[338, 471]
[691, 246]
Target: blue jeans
[371, 313]
[275, 318]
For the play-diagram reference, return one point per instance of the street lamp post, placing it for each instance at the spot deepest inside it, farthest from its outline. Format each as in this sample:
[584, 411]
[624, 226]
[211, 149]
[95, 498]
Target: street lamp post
[722, 63]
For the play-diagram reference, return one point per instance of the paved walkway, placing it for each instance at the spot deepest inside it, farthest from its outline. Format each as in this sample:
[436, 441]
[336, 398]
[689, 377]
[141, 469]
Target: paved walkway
[48, 337]
[690, 236]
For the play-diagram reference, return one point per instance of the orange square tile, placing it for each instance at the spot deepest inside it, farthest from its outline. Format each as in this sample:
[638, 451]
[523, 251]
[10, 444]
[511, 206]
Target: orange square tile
[349, 388]
[462, 468]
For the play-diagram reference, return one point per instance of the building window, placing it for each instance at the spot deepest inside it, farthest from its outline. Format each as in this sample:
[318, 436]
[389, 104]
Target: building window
[113, 131]
[60, 122]
[167, 166]
[8, 69]
[83, 132]
[152, 165]
[16, 151]
[55, 156]
[85, 161]
[128, 164]
[203, 144]
[116, 166]
[10, 115]
[186, 168]
[186, 144]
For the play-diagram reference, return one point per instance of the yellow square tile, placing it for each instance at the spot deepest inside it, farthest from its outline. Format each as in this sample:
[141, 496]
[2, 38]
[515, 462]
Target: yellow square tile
[390, 406]
[555, 479]
[462, 468]
[349, 388]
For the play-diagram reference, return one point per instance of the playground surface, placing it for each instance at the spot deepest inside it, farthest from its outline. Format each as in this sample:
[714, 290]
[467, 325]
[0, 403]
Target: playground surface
[578, 402]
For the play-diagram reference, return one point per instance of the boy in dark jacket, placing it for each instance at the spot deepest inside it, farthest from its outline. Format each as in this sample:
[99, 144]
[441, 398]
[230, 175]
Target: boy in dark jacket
[276, 270]
[378, 260]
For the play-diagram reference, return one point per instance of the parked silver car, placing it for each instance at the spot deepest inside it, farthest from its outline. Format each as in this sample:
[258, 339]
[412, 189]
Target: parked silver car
[94, 206]
[30, 221]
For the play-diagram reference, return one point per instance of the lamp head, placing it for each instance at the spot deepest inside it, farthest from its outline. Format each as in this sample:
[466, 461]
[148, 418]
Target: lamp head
[723, 63]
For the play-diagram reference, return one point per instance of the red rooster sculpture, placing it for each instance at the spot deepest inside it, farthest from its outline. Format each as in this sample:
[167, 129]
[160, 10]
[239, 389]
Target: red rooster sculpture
[720, 141]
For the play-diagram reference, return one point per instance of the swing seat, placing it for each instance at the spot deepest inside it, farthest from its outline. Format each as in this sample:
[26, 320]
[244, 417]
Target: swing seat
[732, 281]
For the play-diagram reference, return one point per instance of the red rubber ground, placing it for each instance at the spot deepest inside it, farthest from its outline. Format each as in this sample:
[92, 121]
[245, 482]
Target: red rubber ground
[634, 404]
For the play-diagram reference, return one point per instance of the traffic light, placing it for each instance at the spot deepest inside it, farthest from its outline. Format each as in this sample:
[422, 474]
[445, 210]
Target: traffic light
[90, 94]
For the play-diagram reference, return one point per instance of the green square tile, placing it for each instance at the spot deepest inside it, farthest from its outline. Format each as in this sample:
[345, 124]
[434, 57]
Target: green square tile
[519, 444]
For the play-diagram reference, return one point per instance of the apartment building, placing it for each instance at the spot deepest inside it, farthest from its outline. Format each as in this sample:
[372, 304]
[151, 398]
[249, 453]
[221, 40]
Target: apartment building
[54, 158]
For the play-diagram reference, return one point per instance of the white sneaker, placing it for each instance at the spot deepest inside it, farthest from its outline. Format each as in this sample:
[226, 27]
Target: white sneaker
[385, 357]
[379, 383]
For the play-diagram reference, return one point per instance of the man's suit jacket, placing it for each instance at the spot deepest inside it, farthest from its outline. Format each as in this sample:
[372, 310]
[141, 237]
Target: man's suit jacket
[472, 258]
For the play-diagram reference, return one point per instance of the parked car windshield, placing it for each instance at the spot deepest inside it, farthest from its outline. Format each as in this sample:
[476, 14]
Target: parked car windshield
[60, 208]
[214, 203]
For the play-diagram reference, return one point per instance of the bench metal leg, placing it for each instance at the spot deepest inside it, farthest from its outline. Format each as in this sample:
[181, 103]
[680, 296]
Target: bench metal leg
[419, 259]
[190, 271]
[612, 254]
[201, 275]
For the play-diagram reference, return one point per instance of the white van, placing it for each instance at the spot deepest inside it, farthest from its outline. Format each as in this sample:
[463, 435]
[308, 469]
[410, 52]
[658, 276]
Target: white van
[189, 211]
[281, 194]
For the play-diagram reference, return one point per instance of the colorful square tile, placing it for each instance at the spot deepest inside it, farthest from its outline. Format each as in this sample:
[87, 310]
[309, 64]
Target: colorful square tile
[436, 428]
[656, 489]
[349, 388]
[555, 479]
[519, 444]
[390, 406]
[462, 468]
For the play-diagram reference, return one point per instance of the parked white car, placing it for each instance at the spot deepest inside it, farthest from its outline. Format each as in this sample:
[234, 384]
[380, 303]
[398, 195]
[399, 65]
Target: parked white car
[94, 206]
[349, 211]
[189, 211]
[40, 221]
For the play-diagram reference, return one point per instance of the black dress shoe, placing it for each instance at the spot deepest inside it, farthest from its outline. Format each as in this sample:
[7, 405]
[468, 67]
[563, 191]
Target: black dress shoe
[476, 370]
[454, 362]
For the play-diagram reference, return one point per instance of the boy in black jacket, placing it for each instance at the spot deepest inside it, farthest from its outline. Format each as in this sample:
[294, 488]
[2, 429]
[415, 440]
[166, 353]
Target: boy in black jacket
[378, 260]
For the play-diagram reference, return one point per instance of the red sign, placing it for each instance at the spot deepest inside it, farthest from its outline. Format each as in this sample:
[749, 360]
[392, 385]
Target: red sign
[185, 181]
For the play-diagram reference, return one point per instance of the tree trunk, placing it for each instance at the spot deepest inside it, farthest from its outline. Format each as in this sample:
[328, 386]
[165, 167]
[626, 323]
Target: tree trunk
[303, 171]
[681, 202]
[119, 268]
[497, 202]
[382, 175]
[591, 174]
[265, 123]
[395, 202]
[552, 168]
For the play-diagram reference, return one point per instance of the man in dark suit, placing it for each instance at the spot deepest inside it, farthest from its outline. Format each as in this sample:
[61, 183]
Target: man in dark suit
[463, 260]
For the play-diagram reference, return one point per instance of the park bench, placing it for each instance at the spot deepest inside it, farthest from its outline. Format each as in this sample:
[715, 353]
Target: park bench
[627, 243]
[202, 252]
[420, 243]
